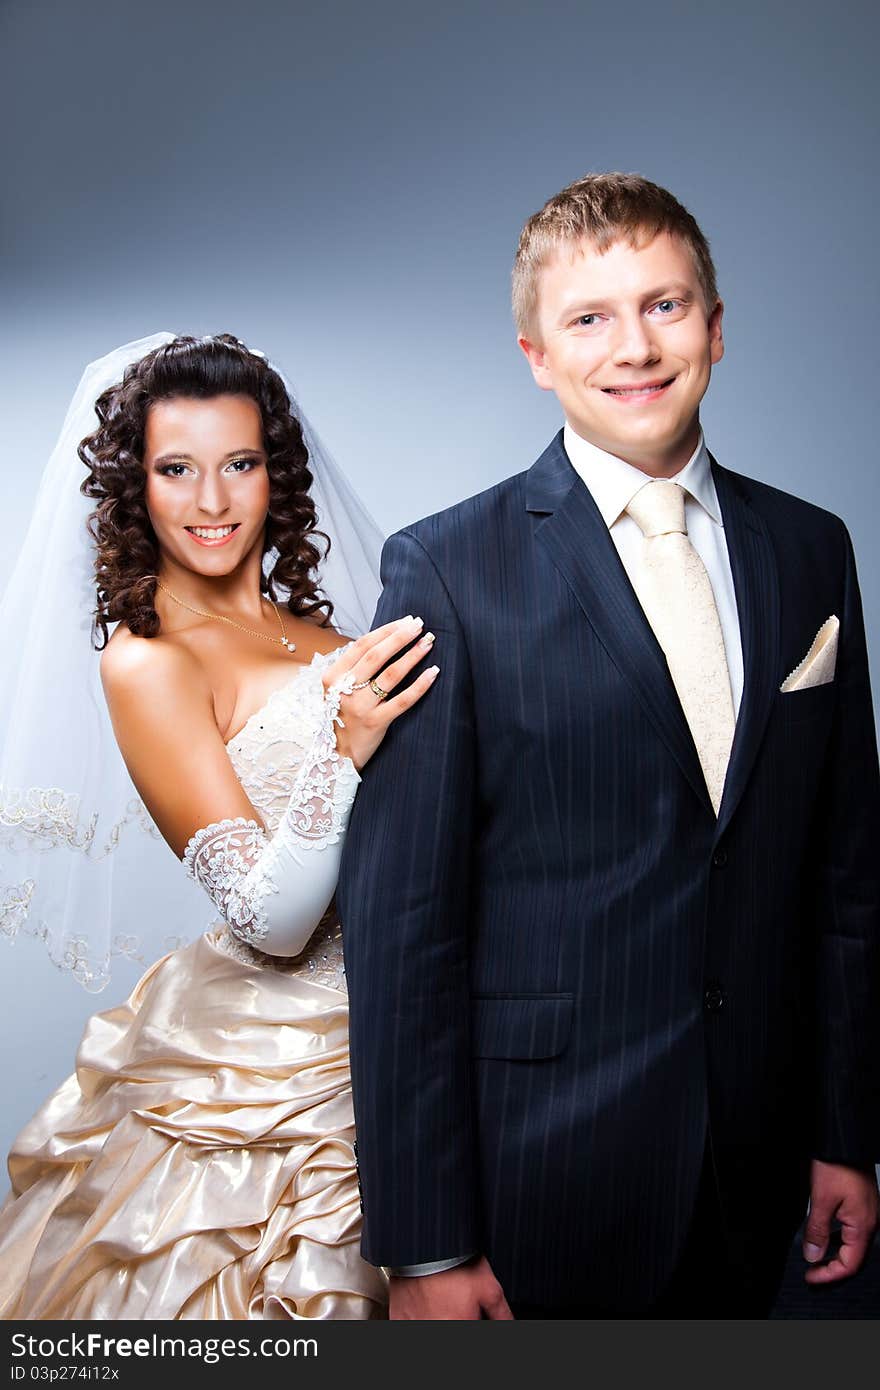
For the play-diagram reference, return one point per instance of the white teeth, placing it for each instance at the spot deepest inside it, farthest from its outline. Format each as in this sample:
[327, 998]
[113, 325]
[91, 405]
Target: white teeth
[211, 533]
[634, 390]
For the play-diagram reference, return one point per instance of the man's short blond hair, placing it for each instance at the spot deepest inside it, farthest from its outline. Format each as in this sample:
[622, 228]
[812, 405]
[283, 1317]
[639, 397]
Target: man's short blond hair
[602, 209]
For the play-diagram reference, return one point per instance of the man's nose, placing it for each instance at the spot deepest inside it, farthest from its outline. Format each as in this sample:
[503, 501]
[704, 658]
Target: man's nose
[212, 496]
[633, 342]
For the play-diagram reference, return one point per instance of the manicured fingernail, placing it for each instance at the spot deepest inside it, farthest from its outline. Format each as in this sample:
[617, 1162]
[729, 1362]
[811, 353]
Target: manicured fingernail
[812, 1252]
[433, 671]
[419, 622]
[427, 640]
[407, 619]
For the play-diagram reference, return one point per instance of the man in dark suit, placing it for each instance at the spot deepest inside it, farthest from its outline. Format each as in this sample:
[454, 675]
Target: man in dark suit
[610, 894]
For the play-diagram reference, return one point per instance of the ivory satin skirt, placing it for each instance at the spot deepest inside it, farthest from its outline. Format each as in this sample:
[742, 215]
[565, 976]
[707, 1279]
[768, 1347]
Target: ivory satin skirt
[199, 1163]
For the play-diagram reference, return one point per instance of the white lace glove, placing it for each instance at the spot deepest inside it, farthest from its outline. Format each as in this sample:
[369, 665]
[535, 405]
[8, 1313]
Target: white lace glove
[274, 892]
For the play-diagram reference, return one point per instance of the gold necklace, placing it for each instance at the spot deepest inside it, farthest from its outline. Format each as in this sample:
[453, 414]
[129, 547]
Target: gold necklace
[283, 640]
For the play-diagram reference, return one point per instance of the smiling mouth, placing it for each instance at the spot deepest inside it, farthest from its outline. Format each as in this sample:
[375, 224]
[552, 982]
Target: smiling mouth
[651, 388]
[212, 535]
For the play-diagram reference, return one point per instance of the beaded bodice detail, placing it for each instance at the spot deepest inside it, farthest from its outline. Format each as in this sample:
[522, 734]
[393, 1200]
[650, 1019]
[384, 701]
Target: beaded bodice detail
[267, 753]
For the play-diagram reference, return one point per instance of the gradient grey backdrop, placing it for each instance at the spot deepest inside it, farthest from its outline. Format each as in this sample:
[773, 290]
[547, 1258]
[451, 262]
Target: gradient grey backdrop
[342, 184]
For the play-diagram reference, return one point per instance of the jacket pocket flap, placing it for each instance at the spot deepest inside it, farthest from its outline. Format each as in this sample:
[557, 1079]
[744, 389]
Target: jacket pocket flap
[528, 1027]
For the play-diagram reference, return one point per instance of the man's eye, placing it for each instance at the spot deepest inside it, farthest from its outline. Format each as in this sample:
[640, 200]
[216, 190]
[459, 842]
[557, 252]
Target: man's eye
[668, 305]
[587, 320]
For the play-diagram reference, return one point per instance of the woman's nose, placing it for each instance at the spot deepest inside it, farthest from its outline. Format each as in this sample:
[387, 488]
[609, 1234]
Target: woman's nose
[212, 498]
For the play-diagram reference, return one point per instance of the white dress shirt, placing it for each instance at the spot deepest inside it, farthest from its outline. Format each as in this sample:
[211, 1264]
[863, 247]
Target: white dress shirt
[613, 483]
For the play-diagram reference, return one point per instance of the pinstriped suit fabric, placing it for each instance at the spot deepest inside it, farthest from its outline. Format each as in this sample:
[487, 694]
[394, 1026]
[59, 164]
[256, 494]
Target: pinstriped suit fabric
[532, 916]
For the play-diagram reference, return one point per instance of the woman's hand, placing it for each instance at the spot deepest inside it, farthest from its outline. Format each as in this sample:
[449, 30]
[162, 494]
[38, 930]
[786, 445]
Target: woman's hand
[366, 716]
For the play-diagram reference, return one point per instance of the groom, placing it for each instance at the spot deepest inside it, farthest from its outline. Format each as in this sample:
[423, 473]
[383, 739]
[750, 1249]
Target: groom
[610, 893]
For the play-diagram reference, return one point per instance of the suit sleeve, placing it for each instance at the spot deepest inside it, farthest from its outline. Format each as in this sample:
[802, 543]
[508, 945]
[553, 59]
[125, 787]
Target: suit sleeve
[404, 904]
[848, 902]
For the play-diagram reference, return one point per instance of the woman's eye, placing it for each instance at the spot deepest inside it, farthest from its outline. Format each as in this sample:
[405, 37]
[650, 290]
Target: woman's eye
[243, 465]
[173, 470]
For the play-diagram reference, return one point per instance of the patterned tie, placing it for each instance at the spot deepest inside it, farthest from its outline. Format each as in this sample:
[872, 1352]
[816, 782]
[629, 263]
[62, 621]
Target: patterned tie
[676, 594]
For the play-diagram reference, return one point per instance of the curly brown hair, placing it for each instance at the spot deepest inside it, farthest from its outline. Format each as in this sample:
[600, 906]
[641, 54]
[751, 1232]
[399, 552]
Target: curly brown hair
[127, 558]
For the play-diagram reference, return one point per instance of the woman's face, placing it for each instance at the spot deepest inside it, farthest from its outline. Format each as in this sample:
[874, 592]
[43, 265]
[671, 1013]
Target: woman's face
[207, 489]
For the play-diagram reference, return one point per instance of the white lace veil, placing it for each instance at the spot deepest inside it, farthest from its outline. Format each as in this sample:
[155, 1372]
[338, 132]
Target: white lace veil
[81, 864]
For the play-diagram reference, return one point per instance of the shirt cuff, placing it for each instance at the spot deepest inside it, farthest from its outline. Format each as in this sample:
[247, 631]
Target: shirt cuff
[432, 1267]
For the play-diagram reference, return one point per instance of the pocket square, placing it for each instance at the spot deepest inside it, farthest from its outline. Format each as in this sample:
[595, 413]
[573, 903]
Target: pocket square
[817, 667]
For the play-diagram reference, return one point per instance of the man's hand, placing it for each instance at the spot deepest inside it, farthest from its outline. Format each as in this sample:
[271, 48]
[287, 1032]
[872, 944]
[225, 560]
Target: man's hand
[850, 1194]
[466, 1293]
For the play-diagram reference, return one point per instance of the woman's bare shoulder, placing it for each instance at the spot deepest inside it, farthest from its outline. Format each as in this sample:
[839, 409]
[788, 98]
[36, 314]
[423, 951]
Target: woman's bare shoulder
[139, 665]
[161, 708]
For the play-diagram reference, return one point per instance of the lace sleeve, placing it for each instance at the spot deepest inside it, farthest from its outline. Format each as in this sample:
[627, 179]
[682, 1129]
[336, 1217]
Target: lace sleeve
[321, 801]
[222, 857]
[274, 892]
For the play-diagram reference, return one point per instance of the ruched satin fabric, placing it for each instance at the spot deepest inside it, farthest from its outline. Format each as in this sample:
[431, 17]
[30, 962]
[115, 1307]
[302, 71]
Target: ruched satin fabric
[199, 1163]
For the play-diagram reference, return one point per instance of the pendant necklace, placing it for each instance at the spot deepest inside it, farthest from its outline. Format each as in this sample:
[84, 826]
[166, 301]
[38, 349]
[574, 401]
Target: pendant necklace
[283, 640]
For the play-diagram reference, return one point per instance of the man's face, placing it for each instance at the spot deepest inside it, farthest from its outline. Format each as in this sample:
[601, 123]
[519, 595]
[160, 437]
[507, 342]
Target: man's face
[626, 343]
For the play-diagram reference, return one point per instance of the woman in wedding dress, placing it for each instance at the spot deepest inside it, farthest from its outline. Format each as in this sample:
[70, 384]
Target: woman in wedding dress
[199, 1163]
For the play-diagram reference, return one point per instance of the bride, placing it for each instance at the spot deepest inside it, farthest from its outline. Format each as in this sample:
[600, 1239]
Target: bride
[199, 1163]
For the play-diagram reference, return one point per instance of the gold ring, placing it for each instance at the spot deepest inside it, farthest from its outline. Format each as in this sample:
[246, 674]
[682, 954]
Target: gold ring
[377, 690]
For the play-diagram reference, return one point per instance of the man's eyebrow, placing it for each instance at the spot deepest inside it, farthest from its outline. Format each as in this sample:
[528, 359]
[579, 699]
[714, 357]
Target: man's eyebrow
[672, 287]
[582, 306]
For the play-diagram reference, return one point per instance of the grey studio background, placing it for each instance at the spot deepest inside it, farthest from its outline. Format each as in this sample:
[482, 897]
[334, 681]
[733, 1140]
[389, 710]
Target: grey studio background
[342, 184]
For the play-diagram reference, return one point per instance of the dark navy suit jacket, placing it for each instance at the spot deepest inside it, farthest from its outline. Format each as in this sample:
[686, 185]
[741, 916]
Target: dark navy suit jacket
[563, 971]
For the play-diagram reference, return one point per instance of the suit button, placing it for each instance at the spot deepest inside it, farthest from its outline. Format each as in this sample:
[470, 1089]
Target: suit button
[719, 858]
[713, 996]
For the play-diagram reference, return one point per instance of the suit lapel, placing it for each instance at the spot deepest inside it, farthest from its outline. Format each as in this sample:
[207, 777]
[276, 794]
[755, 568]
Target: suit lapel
[578, 542]
[756, 584]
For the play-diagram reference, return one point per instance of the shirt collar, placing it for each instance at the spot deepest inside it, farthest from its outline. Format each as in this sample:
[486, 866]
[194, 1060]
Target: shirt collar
[613, 482]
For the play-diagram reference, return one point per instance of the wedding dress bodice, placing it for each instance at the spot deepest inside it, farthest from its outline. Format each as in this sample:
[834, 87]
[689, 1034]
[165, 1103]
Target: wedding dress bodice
[273, 754]
[268, 752]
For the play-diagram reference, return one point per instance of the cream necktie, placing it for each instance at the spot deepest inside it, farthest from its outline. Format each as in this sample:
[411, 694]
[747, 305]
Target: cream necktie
[676, 594]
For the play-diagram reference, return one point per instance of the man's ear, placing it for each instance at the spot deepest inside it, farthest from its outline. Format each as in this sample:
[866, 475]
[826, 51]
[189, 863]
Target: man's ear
[716, 337]
[537, 361]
